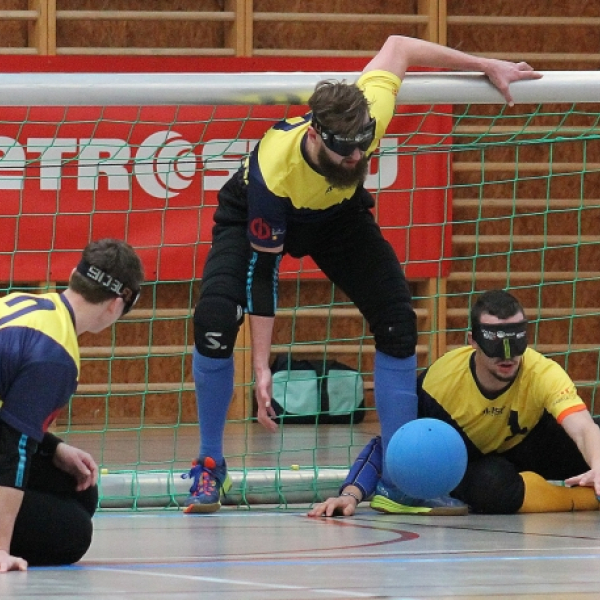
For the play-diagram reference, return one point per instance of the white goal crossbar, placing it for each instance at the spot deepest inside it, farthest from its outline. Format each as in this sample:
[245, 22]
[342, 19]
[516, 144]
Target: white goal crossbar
[105, 89]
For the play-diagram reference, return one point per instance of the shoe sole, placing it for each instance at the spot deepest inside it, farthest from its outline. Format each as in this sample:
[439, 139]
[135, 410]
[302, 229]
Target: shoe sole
[384, 505]
[200, 508]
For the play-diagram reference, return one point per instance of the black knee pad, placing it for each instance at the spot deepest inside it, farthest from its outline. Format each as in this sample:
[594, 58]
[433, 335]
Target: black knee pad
[216, 324]
[492, 485]
[398, 339]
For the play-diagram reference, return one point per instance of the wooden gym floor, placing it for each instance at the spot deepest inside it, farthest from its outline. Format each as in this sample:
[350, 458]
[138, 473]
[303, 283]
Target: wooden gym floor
[268, 552]
[271, 554]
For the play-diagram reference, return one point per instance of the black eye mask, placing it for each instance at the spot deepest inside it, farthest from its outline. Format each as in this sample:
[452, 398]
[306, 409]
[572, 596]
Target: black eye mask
[344, 145]
[503, 340]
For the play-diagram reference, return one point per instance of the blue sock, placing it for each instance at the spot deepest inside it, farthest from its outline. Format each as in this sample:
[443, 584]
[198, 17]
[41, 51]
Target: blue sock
[214, 390]
[395, 396]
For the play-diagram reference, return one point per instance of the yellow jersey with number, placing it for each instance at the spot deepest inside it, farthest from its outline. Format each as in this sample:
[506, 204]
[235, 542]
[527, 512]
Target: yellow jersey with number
[39, 360]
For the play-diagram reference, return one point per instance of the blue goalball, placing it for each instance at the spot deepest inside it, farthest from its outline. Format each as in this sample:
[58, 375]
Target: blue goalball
[426, 458]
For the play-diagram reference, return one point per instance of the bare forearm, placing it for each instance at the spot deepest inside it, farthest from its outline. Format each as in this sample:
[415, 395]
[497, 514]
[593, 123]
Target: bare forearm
[399, 53]
[10, 503]
[261, 331]
[589, 446]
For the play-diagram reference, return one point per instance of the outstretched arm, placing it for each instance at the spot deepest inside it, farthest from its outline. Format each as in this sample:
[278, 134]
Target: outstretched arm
[10, 501]
[343, 505]
[399, 53]
[16, 451]
[360, 483]
[586, 434]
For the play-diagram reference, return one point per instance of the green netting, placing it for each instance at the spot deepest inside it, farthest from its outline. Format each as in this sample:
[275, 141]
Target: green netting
[519, 209]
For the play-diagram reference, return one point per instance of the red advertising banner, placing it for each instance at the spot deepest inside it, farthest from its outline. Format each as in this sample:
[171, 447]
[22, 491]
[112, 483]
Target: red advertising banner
[151, 174]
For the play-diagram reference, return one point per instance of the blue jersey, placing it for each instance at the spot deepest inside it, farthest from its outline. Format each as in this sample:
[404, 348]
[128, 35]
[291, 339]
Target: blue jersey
[39, 360]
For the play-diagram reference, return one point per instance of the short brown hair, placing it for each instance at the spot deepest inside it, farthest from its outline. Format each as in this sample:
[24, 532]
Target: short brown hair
[339, 106]
[498, 303]
[116, 258]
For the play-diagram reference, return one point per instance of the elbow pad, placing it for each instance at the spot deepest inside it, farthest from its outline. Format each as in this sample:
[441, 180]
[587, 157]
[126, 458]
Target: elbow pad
[261, 283]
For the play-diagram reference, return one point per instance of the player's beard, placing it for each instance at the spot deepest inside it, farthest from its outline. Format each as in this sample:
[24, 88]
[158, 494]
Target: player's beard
[339, 176]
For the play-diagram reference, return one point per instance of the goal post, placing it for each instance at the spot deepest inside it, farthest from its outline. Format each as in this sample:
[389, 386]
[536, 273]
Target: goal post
[146, 89]
[472, 194]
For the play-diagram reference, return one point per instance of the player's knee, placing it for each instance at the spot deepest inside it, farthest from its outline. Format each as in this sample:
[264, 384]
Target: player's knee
[216, 324]
[81, 542]
[492, 485]
[398, 339]
[88, 499]
[65, 542]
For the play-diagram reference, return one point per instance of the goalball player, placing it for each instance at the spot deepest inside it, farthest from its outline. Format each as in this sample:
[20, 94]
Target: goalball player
[301, 192]
[519, 414]
[48, 491]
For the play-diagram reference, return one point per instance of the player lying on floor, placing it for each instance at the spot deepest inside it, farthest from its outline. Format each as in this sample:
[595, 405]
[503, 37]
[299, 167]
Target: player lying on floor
[519, 414]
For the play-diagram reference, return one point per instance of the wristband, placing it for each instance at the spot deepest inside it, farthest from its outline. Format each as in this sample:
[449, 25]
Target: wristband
[352, 495]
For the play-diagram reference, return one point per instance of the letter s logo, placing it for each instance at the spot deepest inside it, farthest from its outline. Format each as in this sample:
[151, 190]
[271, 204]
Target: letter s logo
[212, 342]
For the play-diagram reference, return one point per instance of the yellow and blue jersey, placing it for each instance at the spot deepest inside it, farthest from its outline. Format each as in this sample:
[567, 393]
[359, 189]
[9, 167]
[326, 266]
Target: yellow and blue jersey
[496, 423]
[39, 360]
[489, 423]
[282, 185]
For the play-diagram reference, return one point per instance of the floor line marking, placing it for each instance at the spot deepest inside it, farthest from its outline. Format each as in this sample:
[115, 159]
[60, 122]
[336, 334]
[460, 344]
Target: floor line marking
[274, 586]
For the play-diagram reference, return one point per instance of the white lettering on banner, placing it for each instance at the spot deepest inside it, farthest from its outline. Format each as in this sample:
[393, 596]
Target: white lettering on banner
[51, 151]
[12, 164]
[225, 156]
[164, 164]
[385, 176]
[162, 167]
[107, 156]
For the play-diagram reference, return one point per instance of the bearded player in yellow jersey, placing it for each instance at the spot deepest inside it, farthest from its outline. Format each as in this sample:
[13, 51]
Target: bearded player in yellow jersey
[519, 414]
[301, 192]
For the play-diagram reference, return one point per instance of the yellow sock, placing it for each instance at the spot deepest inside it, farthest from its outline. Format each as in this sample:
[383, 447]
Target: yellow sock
[542, 496]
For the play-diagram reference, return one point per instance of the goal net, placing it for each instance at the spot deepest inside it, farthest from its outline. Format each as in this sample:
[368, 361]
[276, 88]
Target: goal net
[472, 194]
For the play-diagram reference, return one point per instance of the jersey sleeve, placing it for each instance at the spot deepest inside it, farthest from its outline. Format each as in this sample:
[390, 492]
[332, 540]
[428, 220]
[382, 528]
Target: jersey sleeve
[366, 470]
[560, 393]
[32, 391]
[381, 90]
